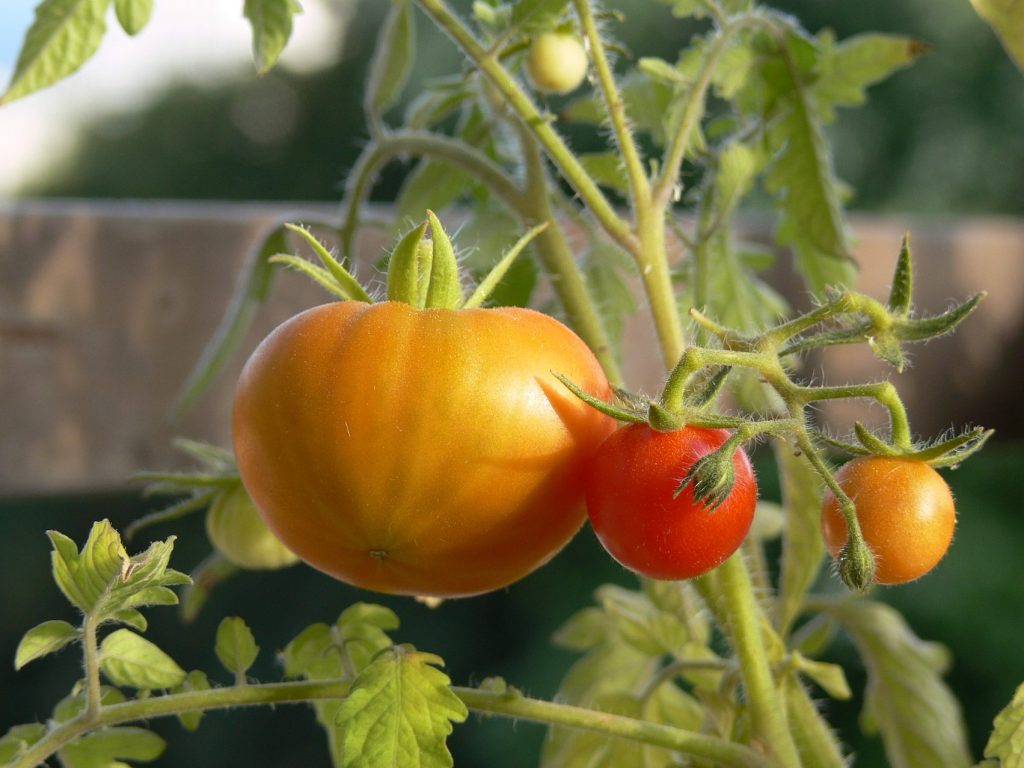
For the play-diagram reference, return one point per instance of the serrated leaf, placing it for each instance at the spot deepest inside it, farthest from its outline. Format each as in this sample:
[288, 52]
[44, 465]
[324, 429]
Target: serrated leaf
[252, 289]
[43, 639]
[64, 35]
[399, 712]
[583, 630]
[607, 270]
[392, 60]
[734, 68]
[1006, 743]
[490, 231]
[1006, 17]
[133, 15]
[271, 22]
[803, 546]
[109, 747]
[196, 680]
[906, 700]
[739, 299]
[235, 647]
[647, 103]
[130, 660]
[846, 70]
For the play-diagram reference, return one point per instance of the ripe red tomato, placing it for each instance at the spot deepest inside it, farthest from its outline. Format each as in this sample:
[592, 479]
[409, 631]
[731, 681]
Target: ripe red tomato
[424, 452]
[557, 62]
[630, 490]
[905, 510]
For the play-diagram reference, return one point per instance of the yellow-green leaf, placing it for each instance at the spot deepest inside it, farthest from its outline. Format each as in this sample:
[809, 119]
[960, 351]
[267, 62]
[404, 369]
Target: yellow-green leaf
[1007, 740]
[1006, 17]
[271, 22]
[130, 660]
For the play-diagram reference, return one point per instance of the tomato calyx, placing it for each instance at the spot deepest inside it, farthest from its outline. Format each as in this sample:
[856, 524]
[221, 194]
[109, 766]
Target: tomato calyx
[421, 273]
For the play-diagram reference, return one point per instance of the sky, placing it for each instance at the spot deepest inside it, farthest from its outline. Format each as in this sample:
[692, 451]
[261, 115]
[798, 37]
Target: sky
[39, 130]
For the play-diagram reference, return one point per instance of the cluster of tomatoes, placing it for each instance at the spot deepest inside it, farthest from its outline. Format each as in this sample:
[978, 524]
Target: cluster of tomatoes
[434, 452]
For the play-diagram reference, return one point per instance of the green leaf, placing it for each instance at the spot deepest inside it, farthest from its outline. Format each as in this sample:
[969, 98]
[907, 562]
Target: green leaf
[399, 712]
[392, 60]
[1006, 743]
[844, 71]
[684, 8]
[363, 628]
[538, 15]
[606, 169]
[1006, 17]
[85, 577]
[252, 289]
[72, 705]
[236, 648]
[109, 747]
[918, 716]
[491, 230]
[312, 654]
[134, 618]
[130, 660]
[133, 15]
[18, 739]
[647, 102]
[803, 546]
[607, 270]
[739, 299]
[830, 677]
[64, 35]
[196, 680]
[271, 22]
[803, 180]
[43, 639]
[433, 184]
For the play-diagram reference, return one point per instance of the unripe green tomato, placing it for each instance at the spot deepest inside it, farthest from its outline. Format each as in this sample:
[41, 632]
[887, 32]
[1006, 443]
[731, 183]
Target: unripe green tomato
[557, 62]
[237, 530]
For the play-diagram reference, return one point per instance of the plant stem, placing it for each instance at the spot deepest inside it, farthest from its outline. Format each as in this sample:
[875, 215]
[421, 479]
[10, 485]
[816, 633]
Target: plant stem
[563, 157]
[487, 702]
[91, 659]
[639, 186]
[652, 261]
[767, 715]
[699, 745]
[559, 260]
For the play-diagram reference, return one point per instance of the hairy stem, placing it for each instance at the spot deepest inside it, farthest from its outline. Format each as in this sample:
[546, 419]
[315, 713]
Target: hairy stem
[486, 702]
[563, 157]
[91, 659]
[763, 696]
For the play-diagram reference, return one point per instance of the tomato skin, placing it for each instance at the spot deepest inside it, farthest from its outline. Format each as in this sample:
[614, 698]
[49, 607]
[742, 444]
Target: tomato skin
[630, 502]
[557, 62]
[424, 452]
[905, 510]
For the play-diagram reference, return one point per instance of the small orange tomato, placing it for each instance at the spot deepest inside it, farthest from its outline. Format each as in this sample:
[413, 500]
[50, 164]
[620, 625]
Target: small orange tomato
[419, 451]
[905, 510]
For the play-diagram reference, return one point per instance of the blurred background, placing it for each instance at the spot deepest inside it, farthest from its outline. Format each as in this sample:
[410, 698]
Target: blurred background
[177, 114]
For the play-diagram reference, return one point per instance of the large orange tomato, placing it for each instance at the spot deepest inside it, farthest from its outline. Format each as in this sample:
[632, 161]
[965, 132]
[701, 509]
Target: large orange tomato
[419, 451]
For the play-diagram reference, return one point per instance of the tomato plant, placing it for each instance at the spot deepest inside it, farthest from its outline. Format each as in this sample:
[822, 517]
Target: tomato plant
[238, 532]
[419, 451]
[651, 525]
[905, 510]
[557, 62]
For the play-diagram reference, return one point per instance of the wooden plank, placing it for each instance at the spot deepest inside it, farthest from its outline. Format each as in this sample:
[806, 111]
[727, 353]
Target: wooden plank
[104, 307]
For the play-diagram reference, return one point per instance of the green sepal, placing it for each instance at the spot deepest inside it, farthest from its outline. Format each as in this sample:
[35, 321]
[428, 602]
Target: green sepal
[616, 412]
[490, 282]
[856, 565]
[661, 419]
[840, 445]
[706, 393]
[444, 290]
[405, 268]
[186, 506]
[951, 452]
[902, 282]
[930, 327]
[345, 282]
[317, 274]
[886, 347]
[872, 442]
[712, 478]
